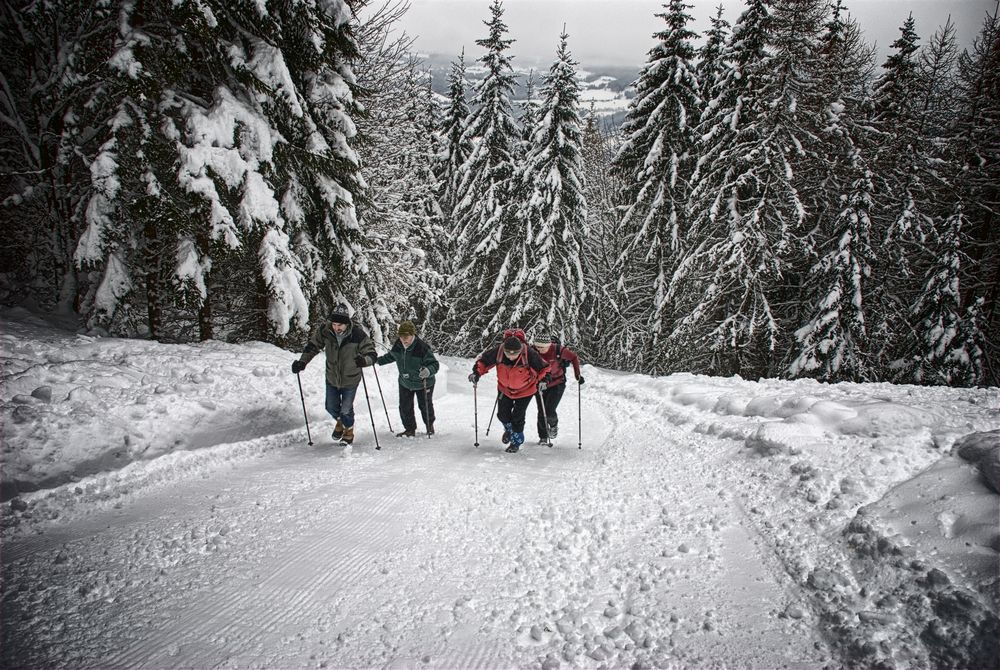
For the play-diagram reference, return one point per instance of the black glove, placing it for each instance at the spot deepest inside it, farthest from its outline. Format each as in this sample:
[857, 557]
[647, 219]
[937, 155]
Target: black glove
[297, 367]
[579, 380]
[360, 361]
[474, 377]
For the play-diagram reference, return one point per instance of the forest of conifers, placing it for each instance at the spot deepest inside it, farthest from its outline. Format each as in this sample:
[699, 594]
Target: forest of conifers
[777, 202]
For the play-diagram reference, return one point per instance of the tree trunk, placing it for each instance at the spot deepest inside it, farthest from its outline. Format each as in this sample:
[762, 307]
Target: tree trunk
[154, 307]
[205, 330]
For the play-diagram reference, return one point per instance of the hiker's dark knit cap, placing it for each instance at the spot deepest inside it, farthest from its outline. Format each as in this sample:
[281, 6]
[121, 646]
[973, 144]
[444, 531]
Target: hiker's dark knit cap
[512, 344]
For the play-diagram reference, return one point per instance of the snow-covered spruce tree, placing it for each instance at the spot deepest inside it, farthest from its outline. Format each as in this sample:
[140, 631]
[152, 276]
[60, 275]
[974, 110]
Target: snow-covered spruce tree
[654, 165]
[457, 145]
[434, 237]
[554, 215]
[745, 209]
[51, 114]
[920, 196]
[899, 224]
[936, 354]
[529, 114]
[977, 182]
[403, 221]
[600, 314]
[832, 345]
[710, 64]
[257, 137]
[399, 278]
[490, 246]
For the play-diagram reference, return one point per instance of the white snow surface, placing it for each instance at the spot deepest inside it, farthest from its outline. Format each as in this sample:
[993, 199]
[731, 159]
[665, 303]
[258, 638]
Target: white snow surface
[169, 513]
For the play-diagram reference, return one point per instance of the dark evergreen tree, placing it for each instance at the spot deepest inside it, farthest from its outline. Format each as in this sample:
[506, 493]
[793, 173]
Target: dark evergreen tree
[938, 350]
[230, 183]
[710, 56]
[976, 171]
[654, 164]
[747, 213]
[600, 313]
[899, 222]
[832, 344]
[529, 113]
[52, 122]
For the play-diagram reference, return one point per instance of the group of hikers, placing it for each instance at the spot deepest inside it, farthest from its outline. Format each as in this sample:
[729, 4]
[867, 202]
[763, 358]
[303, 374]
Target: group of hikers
[523, 370]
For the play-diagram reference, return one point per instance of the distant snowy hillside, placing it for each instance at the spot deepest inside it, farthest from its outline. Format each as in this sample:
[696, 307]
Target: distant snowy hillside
[606, 89]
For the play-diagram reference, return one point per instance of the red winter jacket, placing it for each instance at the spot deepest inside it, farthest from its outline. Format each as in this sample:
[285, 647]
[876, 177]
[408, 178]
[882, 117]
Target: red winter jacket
[559, 358]
[516, 378]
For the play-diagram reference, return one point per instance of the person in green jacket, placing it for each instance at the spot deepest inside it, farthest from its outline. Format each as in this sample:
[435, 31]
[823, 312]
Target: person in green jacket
[417, 367]
[348, 349]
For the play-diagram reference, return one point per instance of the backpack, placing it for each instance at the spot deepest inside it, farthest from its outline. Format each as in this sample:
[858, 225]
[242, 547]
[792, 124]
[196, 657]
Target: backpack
[522, 359]
[515, 332]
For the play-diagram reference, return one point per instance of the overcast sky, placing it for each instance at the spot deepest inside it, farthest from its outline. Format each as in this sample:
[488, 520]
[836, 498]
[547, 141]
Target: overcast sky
[619, 32]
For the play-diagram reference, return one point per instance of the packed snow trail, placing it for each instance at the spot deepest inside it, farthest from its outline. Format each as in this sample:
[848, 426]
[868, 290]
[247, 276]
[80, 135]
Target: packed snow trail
[428, 553]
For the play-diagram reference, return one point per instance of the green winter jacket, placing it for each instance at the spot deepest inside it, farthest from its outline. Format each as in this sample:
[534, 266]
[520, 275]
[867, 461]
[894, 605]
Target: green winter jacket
[341, 370]
[409, 360]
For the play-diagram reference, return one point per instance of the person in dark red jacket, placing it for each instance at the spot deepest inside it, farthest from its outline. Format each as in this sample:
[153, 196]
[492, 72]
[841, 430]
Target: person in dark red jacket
[520, 374]
[558, 358]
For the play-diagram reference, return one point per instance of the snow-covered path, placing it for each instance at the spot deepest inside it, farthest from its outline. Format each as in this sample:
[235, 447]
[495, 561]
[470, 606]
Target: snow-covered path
[704, 523]
[430, 553]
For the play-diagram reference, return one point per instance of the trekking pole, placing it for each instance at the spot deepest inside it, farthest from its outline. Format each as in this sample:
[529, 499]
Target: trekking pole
[375, 369]
[370, 415]
[475, 411]
[545, 418]
[427, 406]
[302, 397]
[579, 416]
[492, 413]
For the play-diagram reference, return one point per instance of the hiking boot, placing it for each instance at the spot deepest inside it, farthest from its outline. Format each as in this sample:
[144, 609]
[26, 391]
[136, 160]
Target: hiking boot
[512, 449]
[338, 430]
[409, 432]
[430, 428]
[348, 436]
[505, 438]
[543, 440]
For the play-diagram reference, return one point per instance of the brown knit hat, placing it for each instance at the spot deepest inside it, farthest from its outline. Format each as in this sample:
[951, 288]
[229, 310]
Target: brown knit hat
[406, 328]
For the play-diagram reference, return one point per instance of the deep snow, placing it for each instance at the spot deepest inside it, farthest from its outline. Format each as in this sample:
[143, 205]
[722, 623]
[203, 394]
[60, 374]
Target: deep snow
[169, 513]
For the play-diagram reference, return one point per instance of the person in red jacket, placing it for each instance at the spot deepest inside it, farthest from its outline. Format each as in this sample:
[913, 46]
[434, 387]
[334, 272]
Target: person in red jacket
[520, 374]
[558, 358]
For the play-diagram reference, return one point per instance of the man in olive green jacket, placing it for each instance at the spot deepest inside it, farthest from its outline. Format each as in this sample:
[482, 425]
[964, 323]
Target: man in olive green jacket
[348, 349]
[417, 367]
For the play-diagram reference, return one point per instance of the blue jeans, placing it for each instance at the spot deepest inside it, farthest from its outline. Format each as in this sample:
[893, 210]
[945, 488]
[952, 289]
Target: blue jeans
[340, 403]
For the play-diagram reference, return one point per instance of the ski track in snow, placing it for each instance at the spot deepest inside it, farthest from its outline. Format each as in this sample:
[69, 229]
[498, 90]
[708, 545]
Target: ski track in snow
[430, 553]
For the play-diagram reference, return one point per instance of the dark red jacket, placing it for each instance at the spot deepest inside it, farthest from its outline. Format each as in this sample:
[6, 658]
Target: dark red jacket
[559, 358]
[516, 378]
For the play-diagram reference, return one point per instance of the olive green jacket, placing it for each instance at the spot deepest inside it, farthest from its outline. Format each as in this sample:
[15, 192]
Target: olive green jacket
[341, 370]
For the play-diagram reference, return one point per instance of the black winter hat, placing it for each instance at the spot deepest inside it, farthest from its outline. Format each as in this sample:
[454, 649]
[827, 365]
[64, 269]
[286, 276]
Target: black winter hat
[512, 344]
[340, 314]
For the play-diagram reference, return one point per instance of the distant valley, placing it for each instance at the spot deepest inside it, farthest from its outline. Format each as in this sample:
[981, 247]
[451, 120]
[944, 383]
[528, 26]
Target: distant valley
[604, 89]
